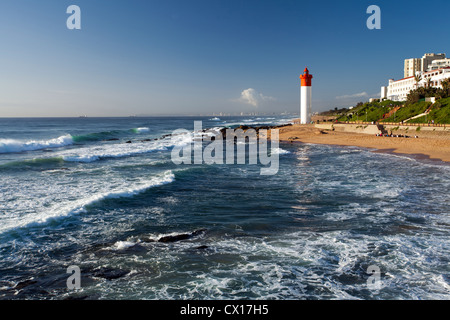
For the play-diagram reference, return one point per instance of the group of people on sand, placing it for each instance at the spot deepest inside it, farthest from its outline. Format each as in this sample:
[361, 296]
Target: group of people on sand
[394, 135]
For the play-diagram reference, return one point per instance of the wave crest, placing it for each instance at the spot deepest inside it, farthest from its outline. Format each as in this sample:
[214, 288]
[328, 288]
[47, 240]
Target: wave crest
[15, 146]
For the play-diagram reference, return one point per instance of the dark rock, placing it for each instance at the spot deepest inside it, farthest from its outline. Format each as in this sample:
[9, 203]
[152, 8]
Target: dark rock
[183, 236]
[110, 274]
[198, 232]
[202, 247]
[175, 238]
[24, 284]
[244, 127]
[147, 240]
[77, 298]
[128, 142]
[223, 131]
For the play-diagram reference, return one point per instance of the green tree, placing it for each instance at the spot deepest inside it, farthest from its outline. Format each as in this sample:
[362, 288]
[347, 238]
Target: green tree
[445, 88]
[417, 78]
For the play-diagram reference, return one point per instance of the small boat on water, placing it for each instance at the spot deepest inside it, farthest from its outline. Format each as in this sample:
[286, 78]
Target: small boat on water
[215, 119]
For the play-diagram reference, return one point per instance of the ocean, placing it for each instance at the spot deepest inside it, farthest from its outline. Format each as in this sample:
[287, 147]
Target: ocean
[104, 195]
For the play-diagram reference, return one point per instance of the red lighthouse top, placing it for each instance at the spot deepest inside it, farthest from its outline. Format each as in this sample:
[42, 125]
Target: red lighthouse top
[306, 78]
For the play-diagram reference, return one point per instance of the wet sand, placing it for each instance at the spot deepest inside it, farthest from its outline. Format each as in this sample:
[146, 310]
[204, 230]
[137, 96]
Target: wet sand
[422, 147]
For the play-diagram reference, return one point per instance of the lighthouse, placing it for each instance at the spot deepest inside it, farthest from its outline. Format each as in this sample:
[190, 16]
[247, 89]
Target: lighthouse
[305, 97]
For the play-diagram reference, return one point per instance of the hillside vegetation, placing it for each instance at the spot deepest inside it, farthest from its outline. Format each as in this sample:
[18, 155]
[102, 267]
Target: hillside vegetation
[413, 107]
[369, 111]
[394, 111]
[439, 113]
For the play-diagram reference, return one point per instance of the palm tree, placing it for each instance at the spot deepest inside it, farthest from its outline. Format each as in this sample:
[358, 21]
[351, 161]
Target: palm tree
[417, 78]
[445, 85]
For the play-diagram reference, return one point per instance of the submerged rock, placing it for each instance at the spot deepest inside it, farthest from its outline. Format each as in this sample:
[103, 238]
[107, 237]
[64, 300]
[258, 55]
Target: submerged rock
[109, 274]
[180, 237]
[71, 298]
[147, 240]
[24, 284]
[175, 238]
[198, 232]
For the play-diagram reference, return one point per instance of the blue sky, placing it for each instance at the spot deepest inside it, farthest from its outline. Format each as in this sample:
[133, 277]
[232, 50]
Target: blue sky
[191, 57]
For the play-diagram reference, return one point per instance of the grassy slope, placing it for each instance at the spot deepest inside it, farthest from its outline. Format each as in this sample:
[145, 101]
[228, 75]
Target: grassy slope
[408, 112]
[375, 111]
[440, 113]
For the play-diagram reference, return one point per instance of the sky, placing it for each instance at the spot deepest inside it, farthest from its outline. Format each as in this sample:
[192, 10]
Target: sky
[180, 57]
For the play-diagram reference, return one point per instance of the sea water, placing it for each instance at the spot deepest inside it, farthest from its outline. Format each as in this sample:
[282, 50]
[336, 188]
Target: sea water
[99, 193]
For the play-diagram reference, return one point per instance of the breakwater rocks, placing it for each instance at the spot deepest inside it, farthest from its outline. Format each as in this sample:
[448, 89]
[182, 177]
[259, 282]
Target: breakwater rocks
[223, 131]
[245, 128]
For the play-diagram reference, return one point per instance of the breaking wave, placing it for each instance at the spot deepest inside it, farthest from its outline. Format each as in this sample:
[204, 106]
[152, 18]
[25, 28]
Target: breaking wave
[140, 130]
[15, 146]
[80, 205]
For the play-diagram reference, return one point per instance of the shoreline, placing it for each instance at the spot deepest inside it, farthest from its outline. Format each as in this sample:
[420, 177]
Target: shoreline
[415, 156]
[427, 148]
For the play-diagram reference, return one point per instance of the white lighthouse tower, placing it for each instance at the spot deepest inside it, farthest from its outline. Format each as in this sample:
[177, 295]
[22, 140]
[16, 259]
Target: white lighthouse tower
[305, 97]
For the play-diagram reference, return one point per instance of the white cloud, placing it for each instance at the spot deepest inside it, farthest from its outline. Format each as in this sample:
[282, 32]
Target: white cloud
[252, 97]
[355, 95]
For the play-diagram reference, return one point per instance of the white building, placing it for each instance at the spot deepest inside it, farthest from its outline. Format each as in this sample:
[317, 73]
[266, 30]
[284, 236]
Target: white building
[399, 90]
[428, 58]
[439, 64]
[414, 65]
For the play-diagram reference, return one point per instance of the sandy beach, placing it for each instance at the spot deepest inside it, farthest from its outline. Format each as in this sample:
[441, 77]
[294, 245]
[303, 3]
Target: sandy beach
[435, 147]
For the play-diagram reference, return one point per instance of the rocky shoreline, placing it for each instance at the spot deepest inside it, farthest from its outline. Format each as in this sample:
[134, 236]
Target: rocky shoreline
[54, 287]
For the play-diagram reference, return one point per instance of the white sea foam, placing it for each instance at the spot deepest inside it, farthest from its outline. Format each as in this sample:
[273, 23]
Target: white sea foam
[142, 129]
[91, 154]
[279, 151]
[123, 245]
[63, 200]
[320, 260]
[12, 145]
[299, 265]
[119, 150]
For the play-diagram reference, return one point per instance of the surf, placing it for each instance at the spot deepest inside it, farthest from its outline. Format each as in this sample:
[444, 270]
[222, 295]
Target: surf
[81, 205]
[17, 146]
